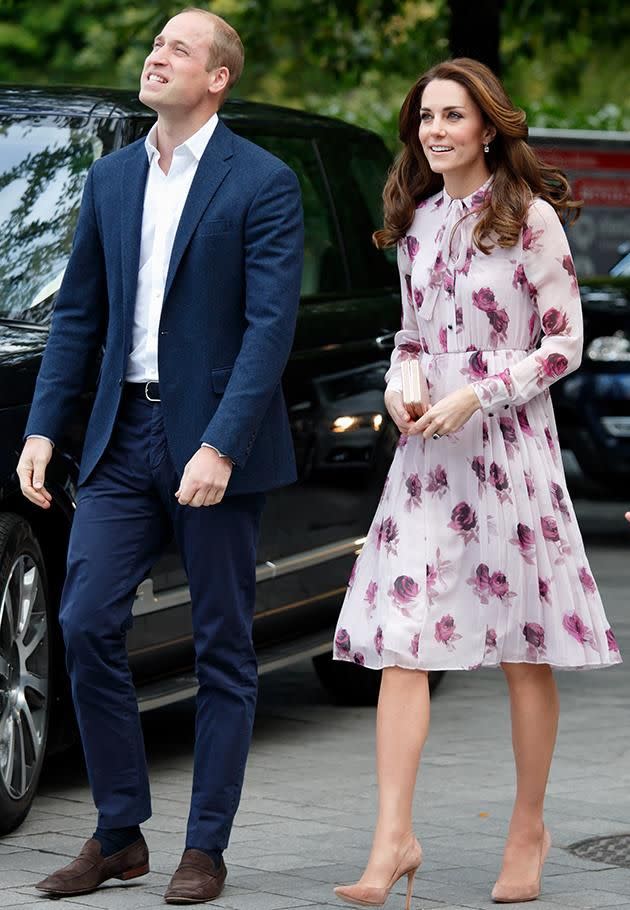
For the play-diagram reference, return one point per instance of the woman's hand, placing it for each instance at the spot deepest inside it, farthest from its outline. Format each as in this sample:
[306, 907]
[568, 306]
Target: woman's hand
[402, 415]
[447, 415]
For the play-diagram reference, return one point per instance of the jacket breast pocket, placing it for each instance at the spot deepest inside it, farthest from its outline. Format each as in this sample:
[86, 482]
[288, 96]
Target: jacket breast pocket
[216, 226]
[220, 379]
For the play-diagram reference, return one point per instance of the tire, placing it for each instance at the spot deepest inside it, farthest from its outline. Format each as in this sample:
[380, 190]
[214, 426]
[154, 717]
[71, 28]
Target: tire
[25, 661]
[349, 684]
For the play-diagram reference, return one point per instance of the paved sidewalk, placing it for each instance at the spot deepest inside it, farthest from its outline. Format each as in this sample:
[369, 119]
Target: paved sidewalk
[308, 806]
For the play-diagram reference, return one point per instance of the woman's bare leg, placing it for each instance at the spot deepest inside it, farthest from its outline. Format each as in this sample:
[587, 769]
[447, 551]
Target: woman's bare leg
[402, 726]
[535, 709]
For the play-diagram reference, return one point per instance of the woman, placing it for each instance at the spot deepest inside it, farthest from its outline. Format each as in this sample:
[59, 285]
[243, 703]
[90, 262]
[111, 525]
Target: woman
[474, 557]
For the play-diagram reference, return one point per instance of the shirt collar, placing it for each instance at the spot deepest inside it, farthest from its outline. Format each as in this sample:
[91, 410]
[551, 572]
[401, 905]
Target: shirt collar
[195, 144]
[475, 199]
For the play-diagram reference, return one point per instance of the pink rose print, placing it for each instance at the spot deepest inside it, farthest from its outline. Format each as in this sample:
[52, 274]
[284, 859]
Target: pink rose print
[551, 367]
[484, 300]
[544, 585]
[443, 339]
[342, 643]
[478, 466]
[484, 432]
[526, 542]
[491, 640]
[534, 327]
[551, 443]
[352, 574]
[535, 638]
[402, 441]
[557, 499]
[408, 286]
[499, 480]
[499, 320]
[470, 252]
[480, 581]
[567, 265]
[508, 431]
[436, 572]
[459, 319]
[587, 580]
[445, 632]
[437, 272]
[499, 586]
[409, 349]
[531, 239]
[415, 644]
[523, 421]
[387, 536]
[358, 658]
[612, 641]
[438, 203]
[418, 297]
[404, 590]
[437, 482]
[550, 528]
[519, 279]
[529, 484]
[425, 345]
[414, 489]
[479, 198]
[554, 322]
[578, 630]
[464, 522]
[370, 595]
[412, 246]
[378, 641]
[448, 284]
[477, 367]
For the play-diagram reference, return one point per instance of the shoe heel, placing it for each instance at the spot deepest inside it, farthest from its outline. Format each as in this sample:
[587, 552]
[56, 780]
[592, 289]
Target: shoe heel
[133, 873]
[410, 877]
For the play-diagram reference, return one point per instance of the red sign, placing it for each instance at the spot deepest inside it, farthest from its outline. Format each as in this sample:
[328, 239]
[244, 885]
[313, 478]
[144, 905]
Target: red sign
[584, 159]
[603, 193]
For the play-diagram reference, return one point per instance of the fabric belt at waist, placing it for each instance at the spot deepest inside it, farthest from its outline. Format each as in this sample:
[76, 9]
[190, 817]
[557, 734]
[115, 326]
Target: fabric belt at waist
[150, 391]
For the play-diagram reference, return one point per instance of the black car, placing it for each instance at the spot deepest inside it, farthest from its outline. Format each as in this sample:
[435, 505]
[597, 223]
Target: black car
[333, 385]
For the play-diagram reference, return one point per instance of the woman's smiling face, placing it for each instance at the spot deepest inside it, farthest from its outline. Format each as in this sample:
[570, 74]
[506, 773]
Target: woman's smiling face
[452, 129]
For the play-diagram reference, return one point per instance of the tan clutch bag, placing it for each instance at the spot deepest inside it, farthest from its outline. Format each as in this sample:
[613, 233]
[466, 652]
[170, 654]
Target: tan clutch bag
[415, 391]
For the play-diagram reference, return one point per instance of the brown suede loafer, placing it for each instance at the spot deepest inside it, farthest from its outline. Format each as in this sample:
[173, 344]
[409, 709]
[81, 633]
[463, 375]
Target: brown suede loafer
[196, 880]
[90, 869]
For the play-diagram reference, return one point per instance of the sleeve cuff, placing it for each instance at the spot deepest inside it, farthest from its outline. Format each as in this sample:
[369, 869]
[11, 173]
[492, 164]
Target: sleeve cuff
[494, 392]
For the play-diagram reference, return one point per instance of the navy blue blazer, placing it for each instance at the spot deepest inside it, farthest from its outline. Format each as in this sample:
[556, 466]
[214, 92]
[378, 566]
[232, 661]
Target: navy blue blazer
[228, 315]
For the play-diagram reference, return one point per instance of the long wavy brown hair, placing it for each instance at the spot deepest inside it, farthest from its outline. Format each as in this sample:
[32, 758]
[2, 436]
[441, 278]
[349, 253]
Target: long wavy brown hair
[518, 172]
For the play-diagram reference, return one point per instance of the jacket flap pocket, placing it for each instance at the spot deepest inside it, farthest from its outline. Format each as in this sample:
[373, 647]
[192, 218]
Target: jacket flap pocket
[215, 226]
[220, 378]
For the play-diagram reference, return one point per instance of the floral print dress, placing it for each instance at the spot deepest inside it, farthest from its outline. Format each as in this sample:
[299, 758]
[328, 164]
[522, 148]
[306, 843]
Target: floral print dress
[475, 556]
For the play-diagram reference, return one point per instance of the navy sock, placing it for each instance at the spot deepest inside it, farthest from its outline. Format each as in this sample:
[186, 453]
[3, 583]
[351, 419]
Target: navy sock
[215, 855]
[114, 839]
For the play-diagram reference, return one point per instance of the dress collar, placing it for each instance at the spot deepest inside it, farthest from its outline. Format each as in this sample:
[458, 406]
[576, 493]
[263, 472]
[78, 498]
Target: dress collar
[475, 200]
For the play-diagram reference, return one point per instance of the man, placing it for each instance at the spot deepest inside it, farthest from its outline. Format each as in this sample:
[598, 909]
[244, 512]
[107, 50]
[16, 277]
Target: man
[186, 270]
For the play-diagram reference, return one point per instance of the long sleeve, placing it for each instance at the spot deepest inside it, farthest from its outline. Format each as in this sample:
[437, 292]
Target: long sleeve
[548, 272]
[407, 339]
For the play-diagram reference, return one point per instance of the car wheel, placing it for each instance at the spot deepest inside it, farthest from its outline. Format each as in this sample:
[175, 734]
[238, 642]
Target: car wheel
[24, 669]
[349, 684]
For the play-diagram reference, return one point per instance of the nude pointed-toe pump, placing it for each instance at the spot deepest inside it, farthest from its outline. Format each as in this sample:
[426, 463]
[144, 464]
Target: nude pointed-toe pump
[503, 895]
[373, 896]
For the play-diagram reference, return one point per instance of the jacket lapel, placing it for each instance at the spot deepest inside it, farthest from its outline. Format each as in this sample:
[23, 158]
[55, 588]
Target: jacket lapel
[211, 172]
[133, 183]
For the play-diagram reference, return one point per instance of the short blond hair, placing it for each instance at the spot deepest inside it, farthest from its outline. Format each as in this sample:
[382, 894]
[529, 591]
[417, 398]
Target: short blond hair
[226, 48]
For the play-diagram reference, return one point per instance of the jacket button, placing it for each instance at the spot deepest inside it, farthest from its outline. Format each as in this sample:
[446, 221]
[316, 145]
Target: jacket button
[120, 382]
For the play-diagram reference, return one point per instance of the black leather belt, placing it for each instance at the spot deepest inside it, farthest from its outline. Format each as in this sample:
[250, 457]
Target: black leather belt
[150, 391]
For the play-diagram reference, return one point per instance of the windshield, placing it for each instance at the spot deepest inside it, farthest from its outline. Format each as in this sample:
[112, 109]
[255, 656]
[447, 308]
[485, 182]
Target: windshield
[43, 165]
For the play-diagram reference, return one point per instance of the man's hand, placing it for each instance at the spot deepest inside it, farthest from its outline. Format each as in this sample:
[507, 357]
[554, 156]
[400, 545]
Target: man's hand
[31, 470]
[402, 415]
[448, 414]
[204, 480]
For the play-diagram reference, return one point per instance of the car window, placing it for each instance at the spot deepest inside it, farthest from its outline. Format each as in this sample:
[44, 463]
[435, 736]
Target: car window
[357, 168]
[43, 165]
[324, 269]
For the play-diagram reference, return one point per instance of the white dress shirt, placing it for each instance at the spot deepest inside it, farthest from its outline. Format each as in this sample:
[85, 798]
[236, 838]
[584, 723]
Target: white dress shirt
[164, 199]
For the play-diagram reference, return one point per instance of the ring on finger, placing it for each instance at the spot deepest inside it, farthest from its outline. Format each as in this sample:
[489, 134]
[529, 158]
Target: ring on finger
[436, 435]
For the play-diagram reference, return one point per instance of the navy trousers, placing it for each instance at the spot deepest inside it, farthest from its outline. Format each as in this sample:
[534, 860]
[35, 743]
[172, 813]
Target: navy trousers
[126, 513]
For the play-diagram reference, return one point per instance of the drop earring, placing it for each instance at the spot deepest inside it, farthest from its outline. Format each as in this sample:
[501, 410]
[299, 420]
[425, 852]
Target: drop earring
[486, 148]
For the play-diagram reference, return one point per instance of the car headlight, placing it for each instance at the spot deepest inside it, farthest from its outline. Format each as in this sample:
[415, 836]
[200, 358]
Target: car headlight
[610, 347]
[348, 423]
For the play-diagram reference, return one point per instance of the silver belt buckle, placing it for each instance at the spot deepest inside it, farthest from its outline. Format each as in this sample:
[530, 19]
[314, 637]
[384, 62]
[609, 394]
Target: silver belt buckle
[146, 390]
